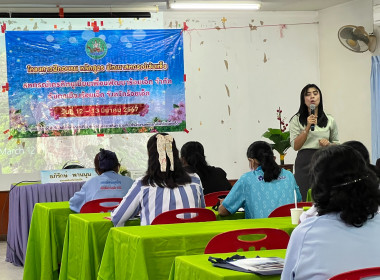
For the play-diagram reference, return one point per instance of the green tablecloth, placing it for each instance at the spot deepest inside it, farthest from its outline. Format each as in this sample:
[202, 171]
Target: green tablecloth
[198, 267]
[147, 252]
[45, 242]
[85, 238]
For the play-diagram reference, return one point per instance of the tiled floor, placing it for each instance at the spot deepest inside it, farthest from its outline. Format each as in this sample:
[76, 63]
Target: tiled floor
[7, 270]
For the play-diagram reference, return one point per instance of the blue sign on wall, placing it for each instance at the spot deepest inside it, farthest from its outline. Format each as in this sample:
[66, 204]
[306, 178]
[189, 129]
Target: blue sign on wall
[85, 82]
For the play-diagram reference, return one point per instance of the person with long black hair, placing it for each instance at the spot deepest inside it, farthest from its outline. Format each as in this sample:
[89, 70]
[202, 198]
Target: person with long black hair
[165, 186]
[358, 146]
[344, 234]
[309, 132]
[264, 188]
[194, 160]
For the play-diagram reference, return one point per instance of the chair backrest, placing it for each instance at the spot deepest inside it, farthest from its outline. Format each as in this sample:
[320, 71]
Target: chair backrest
[94, 206]
[171, 216]
[229, 241]
[284, 210]
[211, 199]
[357, 274]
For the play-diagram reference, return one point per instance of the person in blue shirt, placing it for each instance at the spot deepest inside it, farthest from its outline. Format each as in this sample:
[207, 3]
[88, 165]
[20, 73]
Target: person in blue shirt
[264, 188]
[108, 184]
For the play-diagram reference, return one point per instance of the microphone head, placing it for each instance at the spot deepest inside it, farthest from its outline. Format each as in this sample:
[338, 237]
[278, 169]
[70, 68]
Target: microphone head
[312, 106]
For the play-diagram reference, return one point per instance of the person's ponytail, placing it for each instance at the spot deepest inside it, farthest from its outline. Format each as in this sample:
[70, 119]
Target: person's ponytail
[263, 153]
[270, 168]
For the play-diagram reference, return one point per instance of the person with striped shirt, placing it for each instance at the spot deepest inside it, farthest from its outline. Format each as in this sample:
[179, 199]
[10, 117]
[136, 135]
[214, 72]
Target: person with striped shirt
[165, 186]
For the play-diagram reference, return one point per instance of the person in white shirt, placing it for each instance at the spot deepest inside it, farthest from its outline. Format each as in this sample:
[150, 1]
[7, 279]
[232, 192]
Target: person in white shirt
[108, 184]
[344, 235]
[358, 146]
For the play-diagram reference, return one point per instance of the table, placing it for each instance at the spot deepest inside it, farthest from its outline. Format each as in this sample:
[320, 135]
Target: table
[48, 232]
[147, 252]
[84, 242]
[45, 243]
[198, 267]
[22, 199]
[85, 239]
[47, 235]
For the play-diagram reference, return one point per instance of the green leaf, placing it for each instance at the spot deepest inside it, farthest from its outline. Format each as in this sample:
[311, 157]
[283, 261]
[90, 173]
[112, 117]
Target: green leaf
[280, 139]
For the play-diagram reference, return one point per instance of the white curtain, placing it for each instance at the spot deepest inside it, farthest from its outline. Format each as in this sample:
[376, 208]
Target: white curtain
[375, 107]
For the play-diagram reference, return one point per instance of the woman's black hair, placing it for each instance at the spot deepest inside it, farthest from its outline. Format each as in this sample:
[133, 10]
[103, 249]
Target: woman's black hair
[193, 153]
[168, 179]
[342, 182]
[359, 146]
[303, 111]
[262, 151]
[105, 161]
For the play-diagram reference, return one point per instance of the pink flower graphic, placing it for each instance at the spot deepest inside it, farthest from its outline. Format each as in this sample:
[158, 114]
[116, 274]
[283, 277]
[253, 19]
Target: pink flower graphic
[53, 114]
[178, 114]
[145, 110]
[16, 120]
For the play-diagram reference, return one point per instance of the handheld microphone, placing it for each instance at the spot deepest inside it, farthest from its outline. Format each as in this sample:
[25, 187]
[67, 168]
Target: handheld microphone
[312, 111]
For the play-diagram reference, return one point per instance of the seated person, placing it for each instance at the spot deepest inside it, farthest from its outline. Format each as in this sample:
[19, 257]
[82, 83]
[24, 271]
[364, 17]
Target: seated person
[263, 189]
[193, 159]
[108, 184]
[358, 146]
[344, 235]
[166, 185]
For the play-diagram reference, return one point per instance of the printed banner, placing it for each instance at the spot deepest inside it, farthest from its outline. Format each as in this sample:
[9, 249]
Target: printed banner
[83, 82]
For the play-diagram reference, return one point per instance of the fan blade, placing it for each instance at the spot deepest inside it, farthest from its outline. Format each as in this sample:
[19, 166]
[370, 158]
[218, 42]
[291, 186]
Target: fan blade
[346, 32]
[353, 44]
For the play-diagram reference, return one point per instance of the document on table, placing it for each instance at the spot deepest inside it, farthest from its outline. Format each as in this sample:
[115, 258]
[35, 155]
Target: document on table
[263, 266]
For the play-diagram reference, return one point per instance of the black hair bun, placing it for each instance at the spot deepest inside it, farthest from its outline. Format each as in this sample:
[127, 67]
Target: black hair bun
[107, 160]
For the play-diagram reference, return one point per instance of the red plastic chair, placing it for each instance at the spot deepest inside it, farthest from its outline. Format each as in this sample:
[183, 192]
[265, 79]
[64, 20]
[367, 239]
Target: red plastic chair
[229, 241]
[357, 274]
[211, 199]
[284, 210]
[170, 217]
[94, 206]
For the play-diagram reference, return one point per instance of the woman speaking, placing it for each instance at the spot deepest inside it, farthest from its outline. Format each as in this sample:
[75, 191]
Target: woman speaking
[310, 129]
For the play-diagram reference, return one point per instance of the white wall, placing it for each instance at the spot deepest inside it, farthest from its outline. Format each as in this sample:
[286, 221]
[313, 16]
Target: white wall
[226, 125]
[345, 75]
[227, 107]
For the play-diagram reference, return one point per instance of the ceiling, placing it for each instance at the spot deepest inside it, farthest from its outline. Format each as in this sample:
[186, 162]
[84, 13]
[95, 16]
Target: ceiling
[266, 5]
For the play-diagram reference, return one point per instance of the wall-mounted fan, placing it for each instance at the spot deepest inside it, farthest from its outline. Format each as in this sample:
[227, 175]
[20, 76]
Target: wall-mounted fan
[356, 39]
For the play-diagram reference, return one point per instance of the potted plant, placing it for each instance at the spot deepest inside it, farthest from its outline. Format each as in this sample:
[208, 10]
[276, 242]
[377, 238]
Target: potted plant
[124, 171]
[279, 136]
